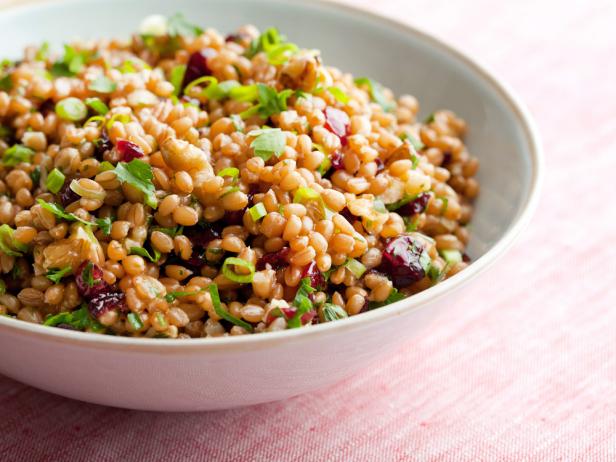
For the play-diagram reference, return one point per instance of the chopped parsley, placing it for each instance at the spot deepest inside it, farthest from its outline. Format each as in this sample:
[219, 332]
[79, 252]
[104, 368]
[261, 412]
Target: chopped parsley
[274, 45]
[270, 102]
[59, 212]
[105, 225]
[301, 302]
[376, 93]
[394, 296]
[138, 174]
[55, 274]
[71, 63]
[268, 142]
[79, 319]
[331, 312]
[175, 231]
[178, 25]
[145, 254]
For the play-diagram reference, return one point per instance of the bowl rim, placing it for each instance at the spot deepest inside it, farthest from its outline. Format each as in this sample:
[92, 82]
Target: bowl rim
[415, 302]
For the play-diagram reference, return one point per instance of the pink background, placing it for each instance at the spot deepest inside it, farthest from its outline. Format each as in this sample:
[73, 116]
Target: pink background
[522, 368]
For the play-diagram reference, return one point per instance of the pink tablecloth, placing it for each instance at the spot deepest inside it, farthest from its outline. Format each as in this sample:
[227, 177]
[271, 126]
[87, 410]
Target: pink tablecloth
[522, 368]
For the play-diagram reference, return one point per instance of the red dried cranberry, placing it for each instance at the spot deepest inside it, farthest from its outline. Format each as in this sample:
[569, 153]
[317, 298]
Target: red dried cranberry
[197, 259]
[197, 66]
[417, 205]
[337, 161]
[234, 218]
[102, 145]
[308, 317]
[446, 159]
[317, 281]
[466, 258]
[276, 260]
[288, 313]
[106, 301]
[402, 261]
[47, 106]
[337, 122]
[83, 281]
[128, 150]
[201, 235]
[67, 195]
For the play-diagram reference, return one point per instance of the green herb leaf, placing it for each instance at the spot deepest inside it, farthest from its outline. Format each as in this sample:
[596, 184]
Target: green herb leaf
[235, 277]
[301, 302]
[8, 245]
[79, 319]
[138, 174]
[35, 175]
[376, 93]
[59, 212]
[429, 119]
[220, 311]
[394, 296]
[268, 142]
[274, 45]
[145, 254]
[104, 225]
[339, 95]
[102, 84]
[6, 82]
[17, 154]
[42, 54]
[178, 25]
[396, 205]
[72, 62]
[176, 231]
[55, 274]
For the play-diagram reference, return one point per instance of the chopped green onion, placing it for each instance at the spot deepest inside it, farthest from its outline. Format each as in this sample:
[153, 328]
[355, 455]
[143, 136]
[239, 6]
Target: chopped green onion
[244, 93]
[396, 205]
[55, 181]
[233, 276]
[206, 78]
[220, 311]
[71, 109]
[378, 206]
[59, 212]
[330, 312]
[415, 142]
[118, 117]
[42, 54]
[355, 267]
[97, 105]
[97, 118]
[339, 95]
[135, 321]
[172, 296]
[105, 165]
[17, 154]
[177, 77]
[257, 211]
[35, 175]
[102, 84]
[229, 171]
[451, 256]
[238, 123]
[305, 194]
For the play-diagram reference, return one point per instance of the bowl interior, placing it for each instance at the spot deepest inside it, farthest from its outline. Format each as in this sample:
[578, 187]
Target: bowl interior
[405, 62]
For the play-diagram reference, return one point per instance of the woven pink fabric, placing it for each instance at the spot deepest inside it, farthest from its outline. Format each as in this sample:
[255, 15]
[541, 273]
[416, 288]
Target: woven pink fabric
[522, 368]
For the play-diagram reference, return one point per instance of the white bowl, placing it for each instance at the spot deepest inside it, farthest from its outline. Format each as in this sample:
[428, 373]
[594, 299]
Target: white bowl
[199, 374]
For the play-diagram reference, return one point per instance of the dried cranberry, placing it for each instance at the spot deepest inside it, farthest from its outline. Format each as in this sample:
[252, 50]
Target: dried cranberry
[276, 260]
[317, 281]
[466, 258]
[417, 205]
[446, 159]
[106, 301]
[67, 195]
[337, 161]
[337, 122]
[402, 261]
[237, 38]
[288, 313]
[201, 235]
[197, 66]
[128, 150]
[83, 285]
[102, 145]
[197, 259]
[47, 106]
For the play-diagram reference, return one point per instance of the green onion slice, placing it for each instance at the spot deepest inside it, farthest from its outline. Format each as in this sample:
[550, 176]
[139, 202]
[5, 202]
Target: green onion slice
[71, 109]
[229, 171]
[97, 105]
[355, 267]
[55, 181]
[220, 311]
[257, 211]
[232, 275]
